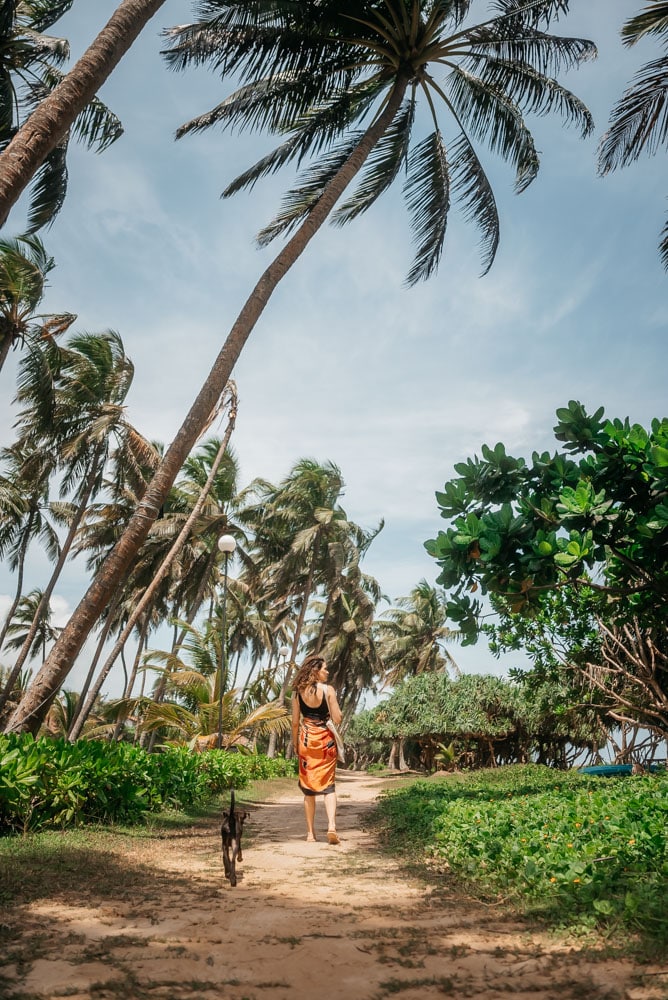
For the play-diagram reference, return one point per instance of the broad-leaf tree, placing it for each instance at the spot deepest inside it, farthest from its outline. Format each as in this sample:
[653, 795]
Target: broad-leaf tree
[591, 521]
[340, 83]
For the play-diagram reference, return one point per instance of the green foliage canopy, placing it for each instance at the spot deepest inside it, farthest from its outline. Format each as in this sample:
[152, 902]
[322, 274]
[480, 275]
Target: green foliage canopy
[594, 515]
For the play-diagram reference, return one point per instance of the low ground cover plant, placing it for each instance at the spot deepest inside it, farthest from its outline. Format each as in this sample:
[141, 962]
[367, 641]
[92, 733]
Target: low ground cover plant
[53, 783]
[580, 850]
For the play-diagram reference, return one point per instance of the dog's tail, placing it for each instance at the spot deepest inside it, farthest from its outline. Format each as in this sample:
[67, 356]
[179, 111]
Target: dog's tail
[233, 819]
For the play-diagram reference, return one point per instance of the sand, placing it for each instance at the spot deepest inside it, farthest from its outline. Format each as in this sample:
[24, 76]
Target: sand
[307, 921]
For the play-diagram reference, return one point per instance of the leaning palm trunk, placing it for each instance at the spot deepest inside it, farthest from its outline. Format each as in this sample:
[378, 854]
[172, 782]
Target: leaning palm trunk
[46, 126]
[151, 591]
[93, 666]
[44, 688]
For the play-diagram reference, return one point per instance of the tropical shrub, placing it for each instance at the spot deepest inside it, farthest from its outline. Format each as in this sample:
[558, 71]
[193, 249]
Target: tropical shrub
[54, 783]
[580, 849]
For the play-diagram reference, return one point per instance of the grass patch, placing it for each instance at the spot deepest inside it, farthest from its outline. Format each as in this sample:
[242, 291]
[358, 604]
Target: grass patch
[93, 859]
[583, 854]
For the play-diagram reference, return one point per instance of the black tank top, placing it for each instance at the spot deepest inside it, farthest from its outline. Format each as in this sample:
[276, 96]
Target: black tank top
[318, 714]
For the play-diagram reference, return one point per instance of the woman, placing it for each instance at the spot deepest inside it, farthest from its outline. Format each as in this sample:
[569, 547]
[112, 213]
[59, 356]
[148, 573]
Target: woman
[314, 700]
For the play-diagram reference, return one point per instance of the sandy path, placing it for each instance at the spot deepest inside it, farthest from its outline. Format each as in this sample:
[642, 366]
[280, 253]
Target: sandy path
[305, 921]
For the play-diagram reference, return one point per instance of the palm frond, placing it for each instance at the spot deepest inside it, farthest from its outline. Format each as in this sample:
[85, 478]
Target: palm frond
[298, 202]
[548, 54]
[533, 92]
[493, 118]
[49, 189]
[44, 13]
[663, 246]
[310, 134]
[97, 126]
[639, 120]
[653, 20]
[382, 166]
[472, 187]
[46, 47]
[427, 191]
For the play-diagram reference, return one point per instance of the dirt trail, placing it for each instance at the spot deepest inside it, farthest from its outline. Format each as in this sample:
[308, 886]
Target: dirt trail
[305, 922]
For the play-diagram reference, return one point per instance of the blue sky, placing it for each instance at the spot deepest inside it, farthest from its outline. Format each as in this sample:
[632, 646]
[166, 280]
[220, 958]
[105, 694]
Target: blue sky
[394, 385]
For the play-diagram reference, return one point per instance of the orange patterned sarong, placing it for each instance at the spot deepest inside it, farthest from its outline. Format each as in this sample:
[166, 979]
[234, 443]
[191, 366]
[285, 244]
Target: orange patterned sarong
[317, 758]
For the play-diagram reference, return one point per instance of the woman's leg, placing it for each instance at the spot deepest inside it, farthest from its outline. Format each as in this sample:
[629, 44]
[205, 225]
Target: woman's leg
[309, 810]
[330, 807]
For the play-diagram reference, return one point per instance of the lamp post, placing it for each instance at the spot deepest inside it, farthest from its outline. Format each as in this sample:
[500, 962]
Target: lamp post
[227, 545]
[282, 653]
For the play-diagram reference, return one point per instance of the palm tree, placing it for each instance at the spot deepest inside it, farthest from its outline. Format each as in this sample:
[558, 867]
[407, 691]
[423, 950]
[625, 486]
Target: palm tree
[21, 630]
[29, 69]
[313, 72]
[304, 529]
[40, 141]
[193, 695]
[347, 641]
[142, 605]
[75, 402]
[24, 495]
[411, 637]
[638, 120]
[24, 510]
[24, 266]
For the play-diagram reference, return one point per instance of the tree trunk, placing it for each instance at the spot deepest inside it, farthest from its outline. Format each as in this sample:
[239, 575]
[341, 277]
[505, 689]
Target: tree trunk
[77, 728]
[150, 592]
[42, 131]
[91, 670]
[403, 766]
[35, 703]
[5, 344]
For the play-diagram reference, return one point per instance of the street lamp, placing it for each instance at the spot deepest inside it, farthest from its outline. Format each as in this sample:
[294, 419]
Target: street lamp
[282, 653]
[226, 544]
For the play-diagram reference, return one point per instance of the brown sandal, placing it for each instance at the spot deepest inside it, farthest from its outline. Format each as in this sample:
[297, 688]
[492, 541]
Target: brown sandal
[333, 837]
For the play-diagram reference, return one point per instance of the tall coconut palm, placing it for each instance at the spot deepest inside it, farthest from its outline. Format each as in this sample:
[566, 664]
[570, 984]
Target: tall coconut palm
[21, 631]
[193, 694]
[347, 640]
[143, 603]
[29, 72]
[305, 527]
[81, 414]
[412, 636]
[639, 120]
[24, 506]
[313, 73]
[25, 517]
[37, 146]
[24, 267]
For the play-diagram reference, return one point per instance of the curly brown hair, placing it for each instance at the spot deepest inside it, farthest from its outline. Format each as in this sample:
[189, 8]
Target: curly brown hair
[307, 675]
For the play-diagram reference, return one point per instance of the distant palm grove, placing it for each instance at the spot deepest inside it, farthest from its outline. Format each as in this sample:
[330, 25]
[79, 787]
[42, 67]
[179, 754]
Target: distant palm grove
[569, 552]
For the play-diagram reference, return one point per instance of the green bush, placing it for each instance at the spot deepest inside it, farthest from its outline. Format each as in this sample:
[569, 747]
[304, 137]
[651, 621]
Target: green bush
[585, 850]
[53, 783]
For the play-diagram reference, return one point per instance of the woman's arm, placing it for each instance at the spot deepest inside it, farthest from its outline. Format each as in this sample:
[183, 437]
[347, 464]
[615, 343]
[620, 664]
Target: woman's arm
[295, 721]
[334, 710]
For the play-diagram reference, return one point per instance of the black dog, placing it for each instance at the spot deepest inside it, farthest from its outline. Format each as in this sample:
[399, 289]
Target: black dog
[230, 831]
